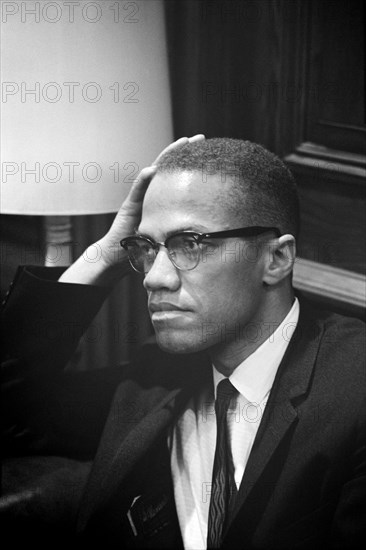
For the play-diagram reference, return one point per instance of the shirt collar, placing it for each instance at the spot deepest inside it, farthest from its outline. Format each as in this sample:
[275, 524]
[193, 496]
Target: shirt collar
[254, 377]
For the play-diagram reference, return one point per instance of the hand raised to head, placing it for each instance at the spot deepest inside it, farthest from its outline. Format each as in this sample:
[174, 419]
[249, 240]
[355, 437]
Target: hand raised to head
[129, 215]
[109, 267]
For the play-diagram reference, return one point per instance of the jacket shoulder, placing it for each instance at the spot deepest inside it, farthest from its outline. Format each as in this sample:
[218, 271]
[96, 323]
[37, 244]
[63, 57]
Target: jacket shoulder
[341, 351]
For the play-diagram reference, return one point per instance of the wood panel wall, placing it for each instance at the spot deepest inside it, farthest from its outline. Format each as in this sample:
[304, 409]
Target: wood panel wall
[287, 74]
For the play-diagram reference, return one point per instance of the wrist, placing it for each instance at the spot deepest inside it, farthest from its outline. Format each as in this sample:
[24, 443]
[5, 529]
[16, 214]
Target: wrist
[96, 267]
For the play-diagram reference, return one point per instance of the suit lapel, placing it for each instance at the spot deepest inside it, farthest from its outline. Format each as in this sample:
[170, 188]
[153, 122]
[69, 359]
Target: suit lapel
[280, 415]
[141, 411]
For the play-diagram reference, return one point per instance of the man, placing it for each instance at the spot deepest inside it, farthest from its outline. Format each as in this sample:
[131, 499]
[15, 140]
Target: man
[248, 429]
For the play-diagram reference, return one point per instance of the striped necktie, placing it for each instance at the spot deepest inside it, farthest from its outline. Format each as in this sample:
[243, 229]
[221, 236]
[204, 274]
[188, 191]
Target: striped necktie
[223, 488]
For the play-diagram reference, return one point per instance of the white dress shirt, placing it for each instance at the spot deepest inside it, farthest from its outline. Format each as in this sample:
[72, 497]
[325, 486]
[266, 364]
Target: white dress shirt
[193, 439]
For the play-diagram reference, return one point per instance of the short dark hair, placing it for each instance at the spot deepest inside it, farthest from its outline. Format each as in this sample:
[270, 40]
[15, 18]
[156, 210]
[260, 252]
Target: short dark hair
[263, 188]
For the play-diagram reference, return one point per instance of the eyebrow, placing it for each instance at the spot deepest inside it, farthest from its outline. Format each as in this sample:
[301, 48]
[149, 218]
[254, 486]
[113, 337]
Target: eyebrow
[195, 229]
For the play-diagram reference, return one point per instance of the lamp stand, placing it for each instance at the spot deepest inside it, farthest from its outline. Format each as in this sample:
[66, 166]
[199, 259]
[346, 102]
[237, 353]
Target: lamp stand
[58, 241]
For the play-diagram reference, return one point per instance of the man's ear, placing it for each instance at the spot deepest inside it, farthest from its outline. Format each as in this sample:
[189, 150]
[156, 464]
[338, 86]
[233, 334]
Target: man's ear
[280, 260]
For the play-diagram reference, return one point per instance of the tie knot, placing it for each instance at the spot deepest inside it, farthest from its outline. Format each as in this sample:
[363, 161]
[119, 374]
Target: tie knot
[225, 391]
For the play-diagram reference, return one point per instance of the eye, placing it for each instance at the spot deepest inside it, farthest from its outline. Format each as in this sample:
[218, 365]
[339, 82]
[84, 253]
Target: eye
[183, 245]
[145, 247]
[141, 247]
[188, 243]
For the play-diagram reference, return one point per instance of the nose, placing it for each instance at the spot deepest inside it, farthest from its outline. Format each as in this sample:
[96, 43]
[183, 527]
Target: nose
[163, 274]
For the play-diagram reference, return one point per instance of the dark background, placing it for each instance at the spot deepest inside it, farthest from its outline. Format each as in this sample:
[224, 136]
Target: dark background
[284, 73]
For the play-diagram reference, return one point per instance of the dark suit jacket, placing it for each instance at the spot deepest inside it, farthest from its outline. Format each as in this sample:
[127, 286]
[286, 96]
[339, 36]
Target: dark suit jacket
[305, 482]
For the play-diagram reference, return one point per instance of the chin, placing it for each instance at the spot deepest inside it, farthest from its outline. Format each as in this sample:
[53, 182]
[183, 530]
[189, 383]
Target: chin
[179, 341]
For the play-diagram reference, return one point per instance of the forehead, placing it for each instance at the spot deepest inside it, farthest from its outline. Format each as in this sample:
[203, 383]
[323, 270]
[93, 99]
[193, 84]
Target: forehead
[185, 200]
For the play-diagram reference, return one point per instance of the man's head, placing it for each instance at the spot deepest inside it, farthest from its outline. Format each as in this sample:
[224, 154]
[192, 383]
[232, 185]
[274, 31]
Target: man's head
[262, 191]
[212, 186]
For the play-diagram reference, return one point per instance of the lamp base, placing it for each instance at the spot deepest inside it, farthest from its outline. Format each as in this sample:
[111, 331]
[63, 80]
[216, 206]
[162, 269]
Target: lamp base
[58, 241]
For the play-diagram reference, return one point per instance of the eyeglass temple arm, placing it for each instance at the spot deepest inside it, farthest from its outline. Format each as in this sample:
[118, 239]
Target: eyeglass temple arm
[245, 231]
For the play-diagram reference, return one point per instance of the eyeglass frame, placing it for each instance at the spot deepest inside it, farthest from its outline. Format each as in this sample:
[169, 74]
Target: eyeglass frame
[250, 231]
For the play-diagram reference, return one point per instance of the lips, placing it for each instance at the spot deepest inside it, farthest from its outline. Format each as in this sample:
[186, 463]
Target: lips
[164, 306]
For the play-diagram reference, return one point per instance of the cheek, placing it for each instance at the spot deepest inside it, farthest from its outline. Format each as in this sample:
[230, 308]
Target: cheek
[227, 294]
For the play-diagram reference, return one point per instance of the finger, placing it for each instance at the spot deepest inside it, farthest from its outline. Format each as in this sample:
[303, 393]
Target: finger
[178, 143]
[197, 137]
[138, 189]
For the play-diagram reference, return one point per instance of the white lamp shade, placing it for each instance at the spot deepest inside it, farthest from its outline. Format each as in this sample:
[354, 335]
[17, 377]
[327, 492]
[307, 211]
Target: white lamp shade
[85, 103]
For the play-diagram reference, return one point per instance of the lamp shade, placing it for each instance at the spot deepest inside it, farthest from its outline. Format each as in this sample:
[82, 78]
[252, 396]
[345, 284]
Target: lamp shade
[85, 103]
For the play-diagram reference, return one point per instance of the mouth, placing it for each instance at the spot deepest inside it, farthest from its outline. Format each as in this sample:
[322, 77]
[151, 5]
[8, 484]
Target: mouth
[157, 307]
[166, 312]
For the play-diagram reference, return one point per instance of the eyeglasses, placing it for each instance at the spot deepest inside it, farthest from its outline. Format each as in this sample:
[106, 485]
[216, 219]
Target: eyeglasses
[184, 248]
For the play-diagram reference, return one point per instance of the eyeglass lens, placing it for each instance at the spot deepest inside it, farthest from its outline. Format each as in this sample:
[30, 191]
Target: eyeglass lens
[183, 251]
